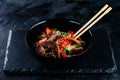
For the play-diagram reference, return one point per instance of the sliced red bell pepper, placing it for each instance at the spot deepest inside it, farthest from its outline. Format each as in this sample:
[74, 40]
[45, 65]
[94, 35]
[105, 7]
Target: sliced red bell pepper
[47, 30]
[70, 34]
[63, 54]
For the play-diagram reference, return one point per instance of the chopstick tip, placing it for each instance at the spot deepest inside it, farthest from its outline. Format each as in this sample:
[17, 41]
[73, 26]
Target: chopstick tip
[106, 5]
[110, 8]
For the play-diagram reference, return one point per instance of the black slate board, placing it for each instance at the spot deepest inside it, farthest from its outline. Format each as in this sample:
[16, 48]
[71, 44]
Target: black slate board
[99, 59]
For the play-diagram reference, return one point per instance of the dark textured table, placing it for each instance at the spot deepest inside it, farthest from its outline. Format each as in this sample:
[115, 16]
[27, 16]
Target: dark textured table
[18, 15]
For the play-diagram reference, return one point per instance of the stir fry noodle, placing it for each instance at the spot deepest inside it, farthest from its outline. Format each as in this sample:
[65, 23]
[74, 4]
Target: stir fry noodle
[58, 44]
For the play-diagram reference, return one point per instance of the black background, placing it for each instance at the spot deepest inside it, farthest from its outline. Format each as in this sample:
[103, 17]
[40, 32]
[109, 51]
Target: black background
[21, 14]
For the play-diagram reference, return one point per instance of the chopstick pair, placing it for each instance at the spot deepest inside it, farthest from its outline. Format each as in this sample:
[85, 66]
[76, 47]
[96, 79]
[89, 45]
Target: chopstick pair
[106, 9]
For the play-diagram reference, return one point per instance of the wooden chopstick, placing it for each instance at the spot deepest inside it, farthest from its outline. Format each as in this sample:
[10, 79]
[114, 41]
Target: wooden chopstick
[101, 10]
[95, 21]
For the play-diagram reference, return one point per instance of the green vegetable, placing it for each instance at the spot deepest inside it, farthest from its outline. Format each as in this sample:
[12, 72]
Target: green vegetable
[66, 50]
[64, 33]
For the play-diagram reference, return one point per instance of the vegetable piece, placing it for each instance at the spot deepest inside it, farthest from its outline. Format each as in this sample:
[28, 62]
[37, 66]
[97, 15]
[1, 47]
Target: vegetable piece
[58, 48]
[66, 50]
[40, 42]
[64, 33]
[75, 40]
[48, 31]
[63, 54]
[64, 42]
[70, 34]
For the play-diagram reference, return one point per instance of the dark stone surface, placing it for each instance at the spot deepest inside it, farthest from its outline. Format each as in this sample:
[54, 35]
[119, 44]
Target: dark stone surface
[21, 14]
[99, 59]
